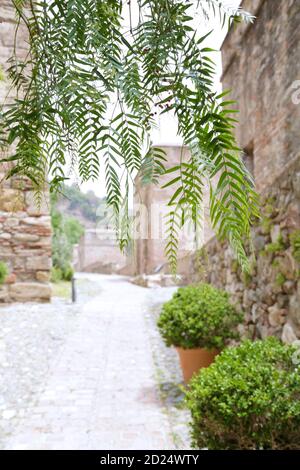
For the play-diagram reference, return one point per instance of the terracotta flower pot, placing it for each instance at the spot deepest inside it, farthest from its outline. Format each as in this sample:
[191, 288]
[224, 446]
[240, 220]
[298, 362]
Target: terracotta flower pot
[191, 360]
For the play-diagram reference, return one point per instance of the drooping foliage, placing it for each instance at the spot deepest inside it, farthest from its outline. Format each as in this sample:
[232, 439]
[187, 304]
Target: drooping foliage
[97, 76]
[67, 232]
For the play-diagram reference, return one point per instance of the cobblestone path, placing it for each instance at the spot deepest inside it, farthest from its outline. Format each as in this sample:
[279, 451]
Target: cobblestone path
[91, 376]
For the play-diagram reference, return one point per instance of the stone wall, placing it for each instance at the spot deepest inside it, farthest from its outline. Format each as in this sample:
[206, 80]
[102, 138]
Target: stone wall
[25, 229]
[150, 209]
[7, 28]
[270, 296]
[261, 64]
[25, 243]
[98, 251]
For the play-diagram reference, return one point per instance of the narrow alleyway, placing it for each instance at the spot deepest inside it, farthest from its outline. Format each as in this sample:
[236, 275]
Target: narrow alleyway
[103, 381]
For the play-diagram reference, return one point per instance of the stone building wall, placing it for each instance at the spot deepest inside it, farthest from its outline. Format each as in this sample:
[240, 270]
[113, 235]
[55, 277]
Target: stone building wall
[25, 229]
[150, 207]
[98, 251]
[270, 296]
[261, 65]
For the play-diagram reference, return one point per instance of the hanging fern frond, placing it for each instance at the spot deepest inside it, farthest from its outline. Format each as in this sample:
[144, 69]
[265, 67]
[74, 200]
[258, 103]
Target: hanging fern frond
[225, 11]
[90, 90]
[153, 165]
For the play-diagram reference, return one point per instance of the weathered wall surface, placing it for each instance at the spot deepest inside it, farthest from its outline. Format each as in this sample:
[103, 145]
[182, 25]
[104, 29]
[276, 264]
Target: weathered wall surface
[261, 64]
[25, 243]
[150, 207]
[99, 252]
[7, 28]
[25, 230]
[270, 297]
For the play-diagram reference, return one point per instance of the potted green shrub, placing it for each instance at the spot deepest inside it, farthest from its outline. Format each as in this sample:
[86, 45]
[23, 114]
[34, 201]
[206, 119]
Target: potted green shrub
[248, 399]
[199, 320]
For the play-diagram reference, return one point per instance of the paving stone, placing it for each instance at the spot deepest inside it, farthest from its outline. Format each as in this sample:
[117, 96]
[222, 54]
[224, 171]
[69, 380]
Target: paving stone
[87, 376]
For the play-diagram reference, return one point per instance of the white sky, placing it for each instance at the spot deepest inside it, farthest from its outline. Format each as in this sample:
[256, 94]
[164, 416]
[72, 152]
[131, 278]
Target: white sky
[166, 134]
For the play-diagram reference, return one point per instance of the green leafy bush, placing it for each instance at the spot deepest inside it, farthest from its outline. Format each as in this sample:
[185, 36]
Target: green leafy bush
[3, 272]
[247, 399]
[56, 274]
[199, 316]
[73, 230]
[68, 273]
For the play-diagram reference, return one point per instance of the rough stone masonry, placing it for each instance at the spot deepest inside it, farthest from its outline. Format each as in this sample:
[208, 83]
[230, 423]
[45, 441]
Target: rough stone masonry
[261, 65]
[25, 229]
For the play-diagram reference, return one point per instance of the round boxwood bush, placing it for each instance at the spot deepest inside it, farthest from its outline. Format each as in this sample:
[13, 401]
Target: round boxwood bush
[247, 399]
[199, 316]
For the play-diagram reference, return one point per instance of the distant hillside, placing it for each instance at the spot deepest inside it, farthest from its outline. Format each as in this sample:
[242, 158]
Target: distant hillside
[82, 206]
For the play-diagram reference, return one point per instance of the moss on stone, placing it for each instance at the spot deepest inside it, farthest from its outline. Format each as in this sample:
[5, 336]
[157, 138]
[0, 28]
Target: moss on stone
[280, 279]
[266, 225]
[3, 272]
[234, 266]
[200, 263]
[262, 253]
[246, 278]
[2, 74]
[276, 247]
[295, 244]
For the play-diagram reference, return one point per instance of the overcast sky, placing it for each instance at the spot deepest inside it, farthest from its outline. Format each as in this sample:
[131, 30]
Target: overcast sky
[166, 134]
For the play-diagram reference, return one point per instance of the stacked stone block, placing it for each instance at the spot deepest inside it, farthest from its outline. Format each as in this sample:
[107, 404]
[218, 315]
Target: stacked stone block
[25, 242]
[25, 227]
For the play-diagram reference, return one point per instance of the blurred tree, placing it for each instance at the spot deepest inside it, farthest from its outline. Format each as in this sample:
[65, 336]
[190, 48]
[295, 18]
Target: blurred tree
[67, 231]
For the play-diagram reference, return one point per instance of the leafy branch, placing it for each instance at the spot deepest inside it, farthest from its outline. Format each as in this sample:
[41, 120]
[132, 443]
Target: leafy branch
[89, 93]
